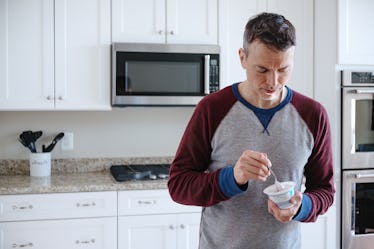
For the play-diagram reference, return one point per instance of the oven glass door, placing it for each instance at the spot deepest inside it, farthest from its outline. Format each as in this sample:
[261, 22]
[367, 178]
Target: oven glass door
[358, 128]
[358, 209]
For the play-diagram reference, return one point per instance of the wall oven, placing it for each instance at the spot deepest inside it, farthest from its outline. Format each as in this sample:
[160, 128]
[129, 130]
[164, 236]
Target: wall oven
[163, 74]
[357, 160]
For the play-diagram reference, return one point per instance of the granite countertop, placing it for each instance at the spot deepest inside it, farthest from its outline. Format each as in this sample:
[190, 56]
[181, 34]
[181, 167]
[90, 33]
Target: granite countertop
[82, 175]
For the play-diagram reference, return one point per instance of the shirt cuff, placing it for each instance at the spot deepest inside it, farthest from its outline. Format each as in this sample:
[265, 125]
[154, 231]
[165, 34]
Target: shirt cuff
[305, 208]
[227, 183]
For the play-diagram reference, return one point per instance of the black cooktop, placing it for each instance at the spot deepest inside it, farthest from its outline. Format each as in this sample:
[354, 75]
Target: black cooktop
[138, 172]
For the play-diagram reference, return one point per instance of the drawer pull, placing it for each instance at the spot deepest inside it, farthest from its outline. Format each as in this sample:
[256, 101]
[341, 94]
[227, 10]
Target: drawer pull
[92, 241]
[23, 245]
[92, 204]
[15, 207]
[147, 202]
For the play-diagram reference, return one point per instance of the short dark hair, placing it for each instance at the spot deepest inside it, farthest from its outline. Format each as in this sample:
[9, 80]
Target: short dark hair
[274, 30]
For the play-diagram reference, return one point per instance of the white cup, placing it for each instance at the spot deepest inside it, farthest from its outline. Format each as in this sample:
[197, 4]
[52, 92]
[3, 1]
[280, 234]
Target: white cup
[40, 164]
[281, 197]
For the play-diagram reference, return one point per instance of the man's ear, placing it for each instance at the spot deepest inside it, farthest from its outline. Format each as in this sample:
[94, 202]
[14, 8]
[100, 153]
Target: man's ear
[243, 57]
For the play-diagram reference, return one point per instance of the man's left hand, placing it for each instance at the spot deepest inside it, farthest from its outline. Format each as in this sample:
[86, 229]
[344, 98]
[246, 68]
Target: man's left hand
[285, 215]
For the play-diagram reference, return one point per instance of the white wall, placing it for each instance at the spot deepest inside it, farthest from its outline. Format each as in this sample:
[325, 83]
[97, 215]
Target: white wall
[122, 132]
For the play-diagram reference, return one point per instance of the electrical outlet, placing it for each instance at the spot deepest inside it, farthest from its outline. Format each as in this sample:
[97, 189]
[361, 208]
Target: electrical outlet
[67, 142]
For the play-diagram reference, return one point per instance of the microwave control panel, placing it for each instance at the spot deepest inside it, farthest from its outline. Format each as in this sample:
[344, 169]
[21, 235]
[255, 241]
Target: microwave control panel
[357, 78]
[214, 76]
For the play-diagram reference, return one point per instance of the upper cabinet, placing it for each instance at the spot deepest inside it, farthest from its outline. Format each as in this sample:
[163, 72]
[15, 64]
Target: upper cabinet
[233, 16]
[57, 56]
[355, 32]
[165, 21]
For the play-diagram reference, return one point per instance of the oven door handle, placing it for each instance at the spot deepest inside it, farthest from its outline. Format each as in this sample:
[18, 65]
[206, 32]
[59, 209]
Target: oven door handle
[206, 73]
[363, 91]
[358, 176]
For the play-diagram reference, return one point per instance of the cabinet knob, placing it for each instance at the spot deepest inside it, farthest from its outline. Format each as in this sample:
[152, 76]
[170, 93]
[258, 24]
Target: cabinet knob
[60, 98]
[14, 207]
[160, 32]
[171, 227]
[171, 32]
[23, 245]
[49, 97]
[182, 226]
[92, 241]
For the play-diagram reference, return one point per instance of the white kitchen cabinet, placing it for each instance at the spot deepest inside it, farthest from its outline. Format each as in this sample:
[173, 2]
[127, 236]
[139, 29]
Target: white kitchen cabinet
[66, 220]
[165, 21]
[320, 234]
[233, 17]
[57, 56]
[150, 219]
[91, 233]
[355, 38]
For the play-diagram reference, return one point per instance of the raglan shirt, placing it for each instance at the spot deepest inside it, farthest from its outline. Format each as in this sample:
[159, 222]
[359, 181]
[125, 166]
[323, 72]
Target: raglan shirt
[296, 137]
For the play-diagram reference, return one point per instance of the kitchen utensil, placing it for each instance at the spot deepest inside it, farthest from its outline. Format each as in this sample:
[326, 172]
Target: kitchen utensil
[277, 184]
[28, 140]
[53, 143]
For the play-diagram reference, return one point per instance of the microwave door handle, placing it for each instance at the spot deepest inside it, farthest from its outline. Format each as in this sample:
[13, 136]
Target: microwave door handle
[358, 176]
[206, 73]
[363, 91]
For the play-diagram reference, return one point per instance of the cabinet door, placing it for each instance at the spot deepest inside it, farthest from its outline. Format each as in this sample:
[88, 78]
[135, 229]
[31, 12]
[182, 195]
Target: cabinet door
[82, 30]
[138, 21]
[98, 233]
[148, 231]
[26, 54]
[233, 15]
[57, 206]
[192, 21]
[300, 14]
[355, 32]
[188, 227]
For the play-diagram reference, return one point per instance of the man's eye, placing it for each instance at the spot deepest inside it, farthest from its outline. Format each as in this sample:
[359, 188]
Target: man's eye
[262, 70]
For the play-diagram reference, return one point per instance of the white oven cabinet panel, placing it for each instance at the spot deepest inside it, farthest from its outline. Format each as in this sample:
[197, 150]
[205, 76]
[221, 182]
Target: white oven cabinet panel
[321, 234]
[147, 231]
[355, 22]
[93, 233]
[82, 40]
[172, 231]
[57, 206]
[165, 21]
[150, 202]
[26, 54]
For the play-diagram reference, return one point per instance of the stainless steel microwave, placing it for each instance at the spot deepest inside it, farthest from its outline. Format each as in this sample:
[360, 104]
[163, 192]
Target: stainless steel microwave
[163, 74]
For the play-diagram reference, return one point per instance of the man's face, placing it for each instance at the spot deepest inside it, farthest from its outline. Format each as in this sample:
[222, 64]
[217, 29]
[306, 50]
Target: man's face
[267, 72]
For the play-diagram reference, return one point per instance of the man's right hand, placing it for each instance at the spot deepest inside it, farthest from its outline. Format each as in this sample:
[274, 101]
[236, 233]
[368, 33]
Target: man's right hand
[252, 165]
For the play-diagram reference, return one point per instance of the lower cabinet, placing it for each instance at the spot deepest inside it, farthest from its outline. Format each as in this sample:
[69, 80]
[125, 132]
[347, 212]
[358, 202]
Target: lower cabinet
[91, 233]
[150, 219]
[59, 221]
[179, 231]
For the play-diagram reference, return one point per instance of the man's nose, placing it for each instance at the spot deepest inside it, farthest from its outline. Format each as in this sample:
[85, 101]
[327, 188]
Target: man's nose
[272, 79]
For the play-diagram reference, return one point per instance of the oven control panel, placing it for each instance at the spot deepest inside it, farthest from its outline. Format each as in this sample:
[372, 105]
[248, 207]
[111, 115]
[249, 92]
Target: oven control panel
[357, 78]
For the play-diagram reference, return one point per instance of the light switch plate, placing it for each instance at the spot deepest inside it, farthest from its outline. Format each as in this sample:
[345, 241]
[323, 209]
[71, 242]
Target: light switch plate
[67, 142]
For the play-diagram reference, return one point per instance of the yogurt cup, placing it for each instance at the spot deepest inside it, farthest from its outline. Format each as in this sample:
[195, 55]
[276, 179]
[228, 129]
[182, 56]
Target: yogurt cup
[281, 197]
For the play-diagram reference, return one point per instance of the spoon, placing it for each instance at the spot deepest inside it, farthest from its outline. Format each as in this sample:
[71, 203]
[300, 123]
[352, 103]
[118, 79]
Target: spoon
[277, 184]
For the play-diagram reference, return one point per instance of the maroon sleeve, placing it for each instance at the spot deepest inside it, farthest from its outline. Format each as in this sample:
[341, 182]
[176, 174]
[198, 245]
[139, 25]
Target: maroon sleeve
[319, 169]
[189, 181]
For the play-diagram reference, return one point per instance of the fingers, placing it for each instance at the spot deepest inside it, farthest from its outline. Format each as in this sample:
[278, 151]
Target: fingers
[251, 165]
[285, 215]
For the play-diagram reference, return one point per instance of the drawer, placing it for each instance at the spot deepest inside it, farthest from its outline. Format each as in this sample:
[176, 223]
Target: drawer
[89, 233]
[150, 202]
[57, 206]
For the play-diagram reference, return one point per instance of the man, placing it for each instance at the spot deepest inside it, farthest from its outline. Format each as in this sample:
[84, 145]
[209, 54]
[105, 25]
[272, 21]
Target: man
[236, 134]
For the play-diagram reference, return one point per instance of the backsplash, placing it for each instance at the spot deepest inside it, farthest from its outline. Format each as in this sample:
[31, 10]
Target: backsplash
[77, 165]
